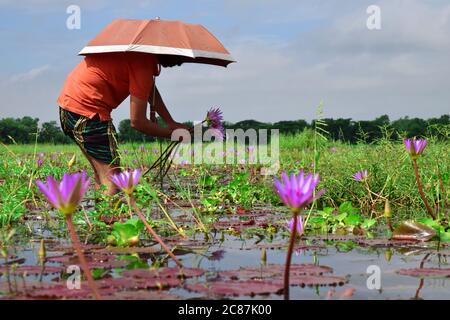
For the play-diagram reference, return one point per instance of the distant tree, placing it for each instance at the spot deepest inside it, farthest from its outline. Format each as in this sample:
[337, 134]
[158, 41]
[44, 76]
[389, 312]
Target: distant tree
[50, 132]
[290, 127]
[18, 130]
[411, 127]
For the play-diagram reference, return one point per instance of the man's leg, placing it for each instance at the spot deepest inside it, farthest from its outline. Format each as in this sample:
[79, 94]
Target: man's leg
[104, 172]
[97, 180]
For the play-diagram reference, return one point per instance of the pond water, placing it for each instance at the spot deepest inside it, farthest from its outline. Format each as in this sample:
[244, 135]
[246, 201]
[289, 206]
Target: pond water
[348, 256]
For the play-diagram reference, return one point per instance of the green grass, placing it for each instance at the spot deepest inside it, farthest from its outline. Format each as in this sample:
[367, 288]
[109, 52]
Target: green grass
[390, 175]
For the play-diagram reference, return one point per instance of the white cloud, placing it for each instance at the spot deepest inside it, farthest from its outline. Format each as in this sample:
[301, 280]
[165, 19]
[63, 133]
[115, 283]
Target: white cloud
[29, 75]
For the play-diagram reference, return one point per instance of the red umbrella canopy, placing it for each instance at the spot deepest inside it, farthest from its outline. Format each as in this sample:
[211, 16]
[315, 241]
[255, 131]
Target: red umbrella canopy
[182, 41]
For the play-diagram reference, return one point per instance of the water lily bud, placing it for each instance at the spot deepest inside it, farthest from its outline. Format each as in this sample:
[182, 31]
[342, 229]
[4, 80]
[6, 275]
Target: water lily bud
[387, 209]
[42, 251]
[72, 161]
[264, 257]
[388, 255]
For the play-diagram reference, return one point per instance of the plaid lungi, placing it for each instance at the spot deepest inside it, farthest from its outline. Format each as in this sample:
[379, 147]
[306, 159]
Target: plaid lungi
[96, 138]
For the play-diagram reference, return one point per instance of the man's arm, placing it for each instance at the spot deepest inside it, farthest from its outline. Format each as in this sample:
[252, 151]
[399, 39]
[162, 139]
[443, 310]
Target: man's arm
[161, 109]
[139, 121]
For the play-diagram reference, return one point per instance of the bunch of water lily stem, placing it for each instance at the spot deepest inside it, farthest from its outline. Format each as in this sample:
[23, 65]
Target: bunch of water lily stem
[67, 194]
[214, 122]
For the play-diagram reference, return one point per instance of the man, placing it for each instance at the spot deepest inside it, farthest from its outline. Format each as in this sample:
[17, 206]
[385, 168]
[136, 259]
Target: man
[99, 84]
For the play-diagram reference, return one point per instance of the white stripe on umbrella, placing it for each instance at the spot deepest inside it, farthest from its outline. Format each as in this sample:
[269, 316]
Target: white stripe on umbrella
[192, 53]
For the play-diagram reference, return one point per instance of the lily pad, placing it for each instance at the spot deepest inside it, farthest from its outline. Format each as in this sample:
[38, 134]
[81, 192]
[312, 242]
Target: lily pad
[142, 295]
[274, 271]
[311, 280]
[130, 283]
[425, 272]
[164, 273]
[236, 288]
[33, 270]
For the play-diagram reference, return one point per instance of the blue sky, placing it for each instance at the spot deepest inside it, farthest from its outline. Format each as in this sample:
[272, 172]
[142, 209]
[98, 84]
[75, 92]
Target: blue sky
[291, 55]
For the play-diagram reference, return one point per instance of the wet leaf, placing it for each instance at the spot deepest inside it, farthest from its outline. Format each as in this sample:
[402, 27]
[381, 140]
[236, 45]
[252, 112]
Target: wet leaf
[128, 250]
[34, 270]
[274, 271]
[426, 272]
[164, 273]
[236, 288]
[413, 230]
[147, 283]
[283, 246]
[311, 280]
[386, 243]
[142, 295]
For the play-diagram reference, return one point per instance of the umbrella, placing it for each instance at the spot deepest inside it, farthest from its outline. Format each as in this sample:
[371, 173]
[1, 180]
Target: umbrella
[184, 42]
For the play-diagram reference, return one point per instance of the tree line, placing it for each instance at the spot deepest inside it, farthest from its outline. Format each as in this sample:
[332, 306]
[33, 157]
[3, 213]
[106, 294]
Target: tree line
[24, 130]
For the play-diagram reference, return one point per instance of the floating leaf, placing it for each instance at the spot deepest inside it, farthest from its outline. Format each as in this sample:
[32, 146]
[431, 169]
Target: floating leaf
[386, 243]
[311, 280]
[274, 271]
[148, 283]
[142, 295]
[425, 272]
[33, 270]
[164, 273]
[236, 288]
[413, 230]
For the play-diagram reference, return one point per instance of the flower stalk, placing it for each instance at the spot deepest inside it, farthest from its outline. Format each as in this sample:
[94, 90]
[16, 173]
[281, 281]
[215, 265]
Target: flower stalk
[81, 258]
[422, 194]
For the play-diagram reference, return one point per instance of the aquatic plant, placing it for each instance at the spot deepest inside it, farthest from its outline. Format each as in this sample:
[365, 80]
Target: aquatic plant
[65, 197]
[127, 181]
[296, 191]
[415, 148]
[214, 120]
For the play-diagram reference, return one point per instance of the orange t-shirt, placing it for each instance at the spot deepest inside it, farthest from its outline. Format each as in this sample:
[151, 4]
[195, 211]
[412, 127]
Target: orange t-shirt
[100, 82]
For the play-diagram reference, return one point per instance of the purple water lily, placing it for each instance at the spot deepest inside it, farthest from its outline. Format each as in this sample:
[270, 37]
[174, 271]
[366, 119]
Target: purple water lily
[360, 176]
[66, 195]
[214, 120]
[415, 147]
[39, 163]
[297, 191]
[127, 180]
